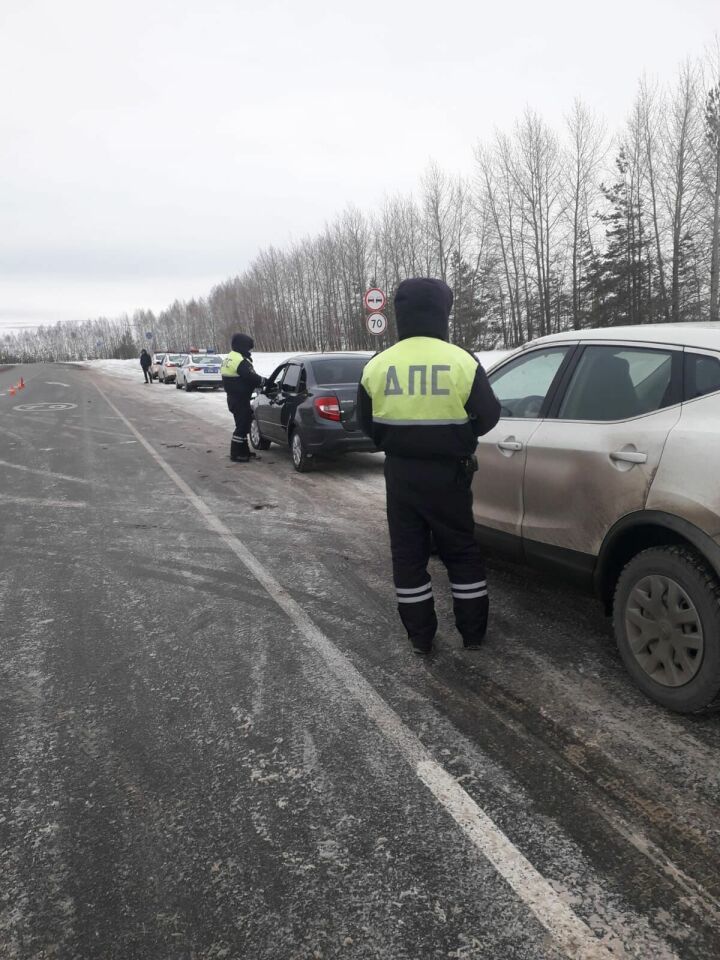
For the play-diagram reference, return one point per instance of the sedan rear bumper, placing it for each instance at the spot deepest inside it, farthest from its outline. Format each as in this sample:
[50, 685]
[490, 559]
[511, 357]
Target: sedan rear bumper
[321, 441]
[198, 380]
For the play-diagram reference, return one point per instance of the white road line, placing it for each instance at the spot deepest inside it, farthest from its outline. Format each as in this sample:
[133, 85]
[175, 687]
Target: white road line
[571, 933]
[56, 383]
[43, 473]
[37, 502]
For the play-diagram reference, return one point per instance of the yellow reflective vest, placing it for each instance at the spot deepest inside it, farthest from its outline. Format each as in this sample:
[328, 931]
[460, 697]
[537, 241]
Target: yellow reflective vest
[238, 375]
[420, 380]
[231, 363]
[425, 397]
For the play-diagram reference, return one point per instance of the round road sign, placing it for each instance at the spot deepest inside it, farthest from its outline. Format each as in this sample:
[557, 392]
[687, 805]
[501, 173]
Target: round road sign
[377, 324]
[374, 300]
[40, 407]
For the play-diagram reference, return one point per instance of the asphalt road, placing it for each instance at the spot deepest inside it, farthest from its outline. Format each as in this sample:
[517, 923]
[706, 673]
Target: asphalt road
[216, 743]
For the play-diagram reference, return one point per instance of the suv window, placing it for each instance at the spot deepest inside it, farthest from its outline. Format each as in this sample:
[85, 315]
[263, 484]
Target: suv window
[701, 375]
[292, 377]
[617, 383]
[522, 385]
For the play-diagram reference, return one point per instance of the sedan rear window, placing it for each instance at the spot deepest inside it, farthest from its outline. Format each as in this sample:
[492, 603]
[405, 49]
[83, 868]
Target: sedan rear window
[334, 370]
[176, 357]
[204, 359]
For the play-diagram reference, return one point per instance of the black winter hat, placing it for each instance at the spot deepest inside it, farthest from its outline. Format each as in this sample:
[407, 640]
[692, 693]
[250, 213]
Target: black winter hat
[422, 308]
[242, 343]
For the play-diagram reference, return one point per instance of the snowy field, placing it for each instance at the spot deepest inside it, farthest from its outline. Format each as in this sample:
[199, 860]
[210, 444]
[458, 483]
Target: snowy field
[210, 405]
[264, 363]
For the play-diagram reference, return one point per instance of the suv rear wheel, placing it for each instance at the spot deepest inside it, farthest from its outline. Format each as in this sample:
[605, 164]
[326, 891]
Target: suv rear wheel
[257, 440]
[666, 615]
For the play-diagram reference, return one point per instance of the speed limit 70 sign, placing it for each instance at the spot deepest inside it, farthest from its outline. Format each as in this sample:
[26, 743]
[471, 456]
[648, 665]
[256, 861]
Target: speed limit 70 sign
[377, 324]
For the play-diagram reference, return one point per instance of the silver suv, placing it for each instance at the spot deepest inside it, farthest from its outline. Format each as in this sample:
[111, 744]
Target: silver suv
[606, 465]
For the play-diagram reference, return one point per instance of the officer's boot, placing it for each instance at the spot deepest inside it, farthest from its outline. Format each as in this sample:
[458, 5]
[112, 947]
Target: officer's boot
[239, 449]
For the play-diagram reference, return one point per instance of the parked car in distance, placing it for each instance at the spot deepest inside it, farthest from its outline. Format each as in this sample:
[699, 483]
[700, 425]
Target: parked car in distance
[605, 465]
[308, 404]
[199, 370]
[155, 365]
[167, 371]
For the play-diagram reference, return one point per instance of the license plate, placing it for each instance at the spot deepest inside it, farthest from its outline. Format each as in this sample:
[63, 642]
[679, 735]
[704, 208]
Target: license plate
[211, 369]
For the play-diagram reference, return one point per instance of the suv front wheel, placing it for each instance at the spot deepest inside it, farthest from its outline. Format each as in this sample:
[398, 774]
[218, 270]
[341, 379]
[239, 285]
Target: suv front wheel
[666, 615]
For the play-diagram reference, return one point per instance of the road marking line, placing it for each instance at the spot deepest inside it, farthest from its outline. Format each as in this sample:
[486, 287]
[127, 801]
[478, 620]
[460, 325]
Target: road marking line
[56, 383]
[571, 933]
[36, 502]
[43, 473]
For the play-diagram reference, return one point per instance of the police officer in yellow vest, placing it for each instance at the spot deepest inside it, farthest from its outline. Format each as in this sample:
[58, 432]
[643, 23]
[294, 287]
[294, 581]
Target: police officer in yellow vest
[239, 380]
[425, 401]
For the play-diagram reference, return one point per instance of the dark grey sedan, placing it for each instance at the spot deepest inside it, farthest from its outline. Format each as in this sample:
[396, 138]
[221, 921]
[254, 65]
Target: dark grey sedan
[308, 404]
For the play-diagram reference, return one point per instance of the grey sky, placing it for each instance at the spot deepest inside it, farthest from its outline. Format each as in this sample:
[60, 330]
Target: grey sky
[149, 149]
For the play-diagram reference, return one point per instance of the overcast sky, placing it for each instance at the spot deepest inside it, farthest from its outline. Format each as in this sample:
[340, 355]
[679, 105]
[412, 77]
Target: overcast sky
[149, 148]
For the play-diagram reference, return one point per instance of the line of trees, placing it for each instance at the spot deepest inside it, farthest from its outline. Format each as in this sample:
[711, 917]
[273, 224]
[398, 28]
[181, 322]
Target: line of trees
[555, 229]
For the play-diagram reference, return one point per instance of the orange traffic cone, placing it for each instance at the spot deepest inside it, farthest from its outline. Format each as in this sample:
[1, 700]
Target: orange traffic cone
[21, 385]
[11, 391]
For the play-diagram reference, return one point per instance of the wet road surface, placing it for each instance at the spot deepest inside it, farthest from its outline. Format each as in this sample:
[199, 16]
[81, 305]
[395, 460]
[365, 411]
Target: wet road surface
[215, 742]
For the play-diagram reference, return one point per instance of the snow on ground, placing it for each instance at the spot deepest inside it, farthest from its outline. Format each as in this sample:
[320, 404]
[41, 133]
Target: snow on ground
[210, 405]
[264, 363]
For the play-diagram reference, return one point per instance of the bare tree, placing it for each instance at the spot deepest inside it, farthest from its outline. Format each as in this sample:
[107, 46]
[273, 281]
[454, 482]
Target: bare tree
[584, 156]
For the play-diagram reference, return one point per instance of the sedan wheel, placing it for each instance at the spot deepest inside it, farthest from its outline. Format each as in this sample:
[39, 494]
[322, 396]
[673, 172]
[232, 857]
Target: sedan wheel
[300, 459]
[667, 624]
[257, 440]
[178, 385]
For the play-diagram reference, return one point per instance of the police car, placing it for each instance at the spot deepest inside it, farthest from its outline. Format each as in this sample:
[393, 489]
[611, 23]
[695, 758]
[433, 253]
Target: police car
[199, 370]
[167, 370]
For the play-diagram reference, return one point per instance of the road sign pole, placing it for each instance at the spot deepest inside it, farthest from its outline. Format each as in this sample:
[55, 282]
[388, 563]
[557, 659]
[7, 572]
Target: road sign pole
[374, 301]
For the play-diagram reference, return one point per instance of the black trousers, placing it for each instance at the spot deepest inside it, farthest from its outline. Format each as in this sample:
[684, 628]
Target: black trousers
[434, 496]
[240, 408]
[242, 413]
[146, 374]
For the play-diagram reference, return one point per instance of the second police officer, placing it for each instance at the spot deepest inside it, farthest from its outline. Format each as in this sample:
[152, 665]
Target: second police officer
[425, 401]
[239, 381]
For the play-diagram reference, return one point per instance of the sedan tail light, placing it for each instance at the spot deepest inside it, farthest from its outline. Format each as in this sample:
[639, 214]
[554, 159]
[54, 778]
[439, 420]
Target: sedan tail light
[194, 369]
[328, 408]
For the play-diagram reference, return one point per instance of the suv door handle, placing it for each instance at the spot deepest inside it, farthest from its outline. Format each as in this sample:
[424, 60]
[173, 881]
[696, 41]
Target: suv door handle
[510, 444]
[628, 456]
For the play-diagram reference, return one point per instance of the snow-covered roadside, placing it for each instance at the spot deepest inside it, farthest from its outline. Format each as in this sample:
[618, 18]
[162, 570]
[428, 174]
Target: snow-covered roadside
[210, 405]
[264, 363]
